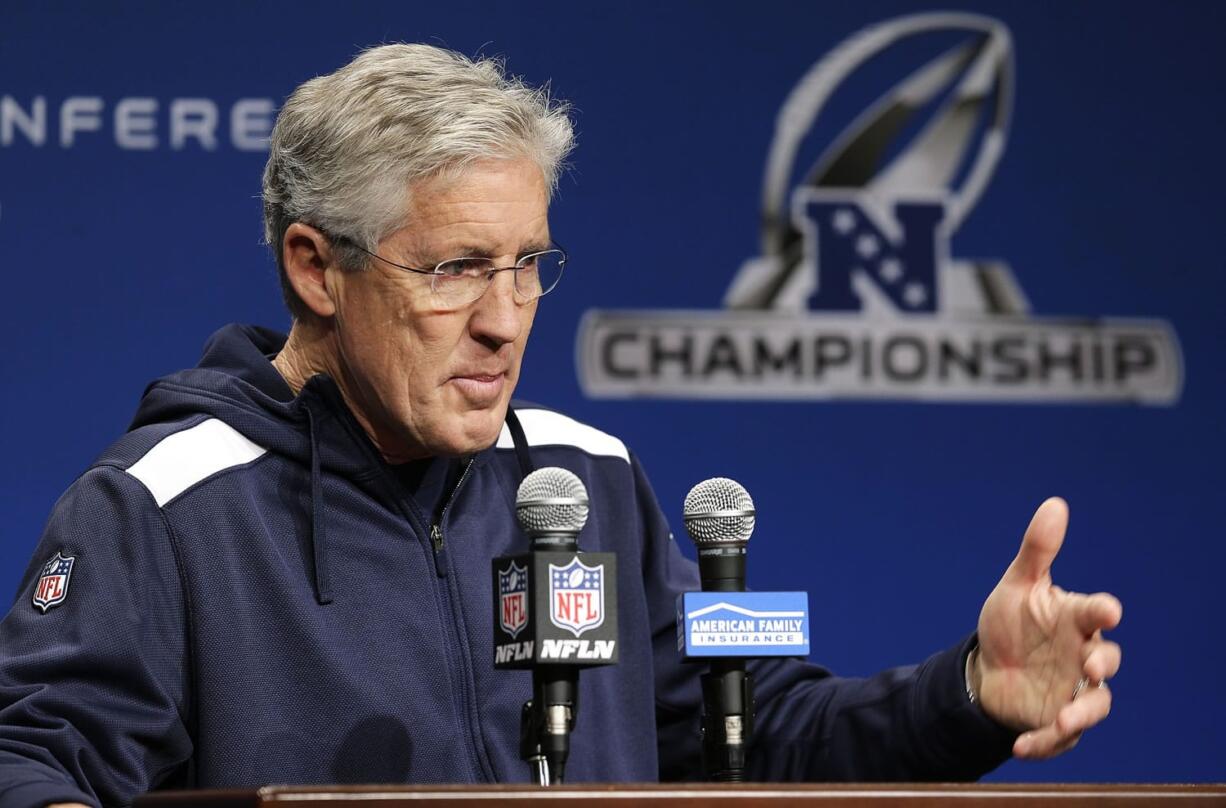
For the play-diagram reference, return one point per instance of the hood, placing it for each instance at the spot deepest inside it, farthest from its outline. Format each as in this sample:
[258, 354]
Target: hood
[235, 382]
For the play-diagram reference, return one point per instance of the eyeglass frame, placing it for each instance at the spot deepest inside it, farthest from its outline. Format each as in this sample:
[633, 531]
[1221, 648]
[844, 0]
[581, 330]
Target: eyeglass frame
[489, 273]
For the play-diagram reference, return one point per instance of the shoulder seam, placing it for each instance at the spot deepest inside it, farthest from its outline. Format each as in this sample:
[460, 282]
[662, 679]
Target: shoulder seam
[188, 457]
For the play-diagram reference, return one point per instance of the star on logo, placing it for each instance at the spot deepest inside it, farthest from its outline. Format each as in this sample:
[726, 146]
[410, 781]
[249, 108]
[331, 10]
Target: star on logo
[867, 245]
[843, 221]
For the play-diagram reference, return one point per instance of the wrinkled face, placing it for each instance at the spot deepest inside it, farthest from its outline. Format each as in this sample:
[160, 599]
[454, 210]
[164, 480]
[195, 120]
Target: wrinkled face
[429, 382]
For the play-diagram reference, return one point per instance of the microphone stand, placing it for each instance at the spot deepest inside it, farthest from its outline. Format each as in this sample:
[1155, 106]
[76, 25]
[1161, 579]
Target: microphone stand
[546, 722]
[548, 718]
[538, 617]
[727, 688]
[727, 719]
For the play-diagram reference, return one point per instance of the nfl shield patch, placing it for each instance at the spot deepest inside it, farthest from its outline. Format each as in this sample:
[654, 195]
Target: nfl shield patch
[513, 599]
[576, 596]
[52, 586]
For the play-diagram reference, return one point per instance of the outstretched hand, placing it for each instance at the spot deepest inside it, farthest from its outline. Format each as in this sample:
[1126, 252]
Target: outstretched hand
[1042, 663]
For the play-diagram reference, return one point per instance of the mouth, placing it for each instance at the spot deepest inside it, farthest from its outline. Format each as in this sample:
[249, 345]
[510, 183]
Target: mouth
[480, 389]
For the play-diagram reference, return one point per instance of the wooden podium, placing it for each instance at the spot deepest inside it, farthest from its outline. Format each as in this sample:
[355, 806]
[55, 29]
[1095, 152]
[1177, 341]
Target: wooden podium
[696, 796]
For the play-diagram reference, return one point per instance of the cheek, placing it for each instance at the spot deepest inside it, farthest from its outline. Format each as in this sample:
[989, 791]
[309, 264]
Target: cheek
[421, 354]
[379, 332]
[528, 317]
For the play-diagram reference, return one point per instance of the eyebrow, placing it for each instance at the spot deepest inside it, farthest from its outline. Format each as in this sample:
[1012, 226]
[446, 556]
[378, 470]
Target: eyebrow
[472, 251]
[535, 247]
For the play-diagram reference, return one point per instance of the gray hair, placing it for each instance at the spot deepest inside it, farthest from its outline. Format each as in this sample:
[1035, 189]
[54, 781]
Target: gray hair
[347, 146]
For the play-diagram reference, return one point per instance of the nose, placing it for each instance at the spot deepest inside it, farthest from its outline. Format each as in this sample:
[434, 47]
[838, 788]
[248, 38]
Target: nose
[497, 318]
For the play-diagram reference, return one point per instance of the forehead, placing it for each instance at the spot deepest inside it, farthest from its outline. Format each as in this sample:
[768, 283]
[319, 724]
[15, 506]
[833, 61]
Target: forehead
[496, 207]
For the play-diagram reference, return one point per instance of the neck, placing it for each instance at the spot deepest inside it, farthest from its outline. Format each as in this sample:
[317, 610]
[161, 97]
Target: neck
[311, 350]
[301, 358]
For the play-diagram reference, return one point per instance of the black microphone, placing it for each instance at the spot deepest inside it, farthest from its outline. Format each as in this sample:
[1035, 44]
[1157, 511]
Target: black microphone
[719, 516]
[551, 507]
[555, 612]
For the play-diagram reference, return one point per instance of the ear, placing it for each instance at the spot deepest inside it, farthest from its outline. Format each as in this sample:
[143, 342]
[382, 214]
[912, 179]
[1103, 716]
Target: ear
[307, 254]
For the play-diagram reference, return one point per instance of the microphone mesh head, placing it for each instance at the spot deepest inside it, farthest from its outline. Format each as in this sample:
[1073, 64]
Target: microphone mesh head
[551, 500]
[718, 512]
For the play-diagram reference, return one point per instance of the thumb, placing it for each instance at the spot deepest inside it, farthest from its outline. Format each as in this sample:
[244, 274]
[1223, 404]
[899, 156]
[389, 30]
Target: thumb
[1041, 542]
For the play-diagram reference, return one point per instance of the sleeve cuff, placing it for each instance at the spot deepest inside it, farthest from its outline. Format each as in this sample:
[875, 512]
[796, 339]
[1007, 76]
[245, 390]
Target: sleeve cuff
[966, 741]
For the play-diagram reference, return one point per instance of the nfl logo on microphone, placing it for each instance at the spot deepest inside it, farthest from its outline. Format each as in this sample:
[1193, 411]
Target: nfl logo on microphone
[513, 599]
[543, 601]
[576, 596]
[52, 586]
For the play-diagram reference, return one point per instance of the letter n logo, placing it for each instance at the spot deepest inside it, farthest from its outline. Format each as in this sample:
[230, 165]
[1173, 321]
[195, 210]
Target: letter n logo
[899, 258]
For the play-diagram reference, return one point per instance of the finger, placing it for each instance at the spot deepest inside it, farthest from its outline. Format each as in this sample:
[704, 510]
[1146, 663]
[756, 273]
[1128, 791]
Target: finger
[1083, 712]
[1093, 613]
[1064, 746]
[1102, 660]
[1089, 708]
[1044, 743]
[1041, 542]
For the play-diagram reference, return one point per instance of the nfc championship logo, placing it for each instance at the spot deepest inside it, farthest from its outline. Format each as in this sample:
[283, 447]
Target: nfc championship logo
[856, 293]
[513, 599]
[576, 596]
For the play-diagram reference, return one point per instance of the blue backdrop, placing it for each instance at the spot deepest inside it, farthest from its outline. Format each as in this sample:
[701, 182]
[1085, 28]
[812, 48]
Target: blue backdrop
[897, 517]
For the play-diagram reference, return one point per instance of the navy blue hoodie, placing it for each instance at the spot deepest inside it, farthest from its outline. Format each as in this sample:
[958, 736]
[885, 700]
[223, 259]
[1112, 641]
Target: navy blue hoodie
[255, 596]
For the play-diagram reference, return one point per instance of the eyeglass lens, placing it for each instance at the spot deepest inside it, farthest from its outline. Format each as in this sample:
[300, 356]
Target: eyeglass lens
[461, 281]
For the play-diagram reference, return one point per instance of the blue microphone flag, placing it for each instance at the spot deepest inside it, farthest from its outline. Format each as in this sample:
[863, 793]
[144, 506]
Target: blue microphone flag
[742, 624]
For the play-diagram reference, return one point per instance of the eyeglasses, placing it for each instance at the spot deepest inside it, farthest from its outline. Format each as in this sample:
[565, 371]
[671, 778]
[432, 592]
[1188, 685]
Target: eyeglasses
[456, 282]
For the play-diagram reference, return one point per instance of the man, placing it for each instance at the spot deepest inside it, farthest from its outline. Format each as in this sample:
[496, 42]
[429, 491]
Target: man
[280, 573]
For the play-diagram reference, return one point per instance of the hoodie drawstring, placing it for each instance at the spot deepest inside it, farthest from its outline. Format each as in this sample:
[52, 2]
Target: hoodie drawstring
[319, 538]
[319, 541]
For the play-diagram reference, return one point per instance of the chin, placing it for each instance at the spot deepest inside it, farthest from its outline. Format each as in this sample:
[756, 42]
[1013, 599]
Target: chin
[477, 431]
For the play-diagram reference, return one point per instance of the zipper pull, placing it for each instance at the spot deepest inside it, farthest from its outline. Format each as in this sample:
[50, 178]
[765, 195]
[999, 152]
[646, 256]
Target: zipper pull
[440, 558]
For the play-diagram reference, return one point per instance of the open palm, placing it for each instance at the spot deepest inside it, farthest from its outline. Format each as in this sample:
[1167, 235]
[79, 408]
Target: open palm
[1039, 647]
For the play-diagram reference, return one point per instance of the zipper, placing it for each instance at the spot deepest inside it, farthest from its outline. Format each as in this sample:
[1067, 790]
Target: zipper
[440, 558]
[437, 540]
[439, 543]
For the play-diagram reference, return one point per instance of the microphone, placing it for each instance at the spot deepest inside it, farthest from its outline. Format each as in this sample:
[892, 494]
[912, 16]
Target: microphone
[555, 611]
[551, 507]
[719, 516]
[727, 625]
